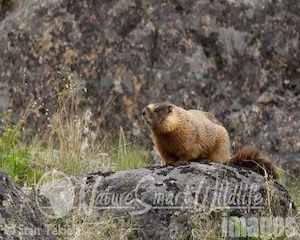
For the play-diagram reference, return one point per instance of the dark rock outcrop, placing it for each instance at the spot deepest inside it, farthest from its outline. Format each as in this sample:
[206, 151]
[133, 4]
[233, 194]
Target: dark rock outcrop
[222, 56]
[7, 6]
[19, 217]
[161, 201]
[271, 124]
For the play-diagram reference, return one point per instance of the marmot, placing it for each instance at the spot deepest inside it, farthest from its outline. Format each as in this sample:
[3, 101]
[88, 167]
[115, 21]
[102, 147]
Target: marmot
[192, 135]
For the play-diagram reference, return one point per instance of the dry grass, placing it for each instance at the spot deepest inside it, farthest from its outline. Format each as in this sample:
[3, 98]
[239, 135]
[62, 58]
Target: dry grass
[81, 226]
[70, 145]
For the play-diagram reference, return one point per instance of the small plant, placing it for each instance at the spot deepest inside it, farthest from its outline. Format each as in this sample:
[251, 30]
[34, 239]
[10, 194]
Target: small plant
[14, 156]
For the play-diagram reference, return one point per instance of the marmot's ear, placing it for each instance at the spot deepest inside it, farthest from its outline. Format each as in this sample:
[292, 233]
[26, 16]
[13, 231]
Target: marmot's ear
[169, 108]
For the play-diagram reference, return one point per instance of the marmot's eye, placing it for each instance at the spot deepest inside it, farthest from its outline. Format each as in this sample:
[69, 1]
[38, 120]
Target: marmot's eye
[156, 110]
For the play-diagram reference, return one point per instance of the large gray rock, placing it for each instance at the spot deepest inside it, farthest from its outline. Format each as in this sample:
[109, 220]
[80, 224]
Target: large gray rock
[221, 56]
[272, 125]
[7, 6]
[19, 217]
[162, 201]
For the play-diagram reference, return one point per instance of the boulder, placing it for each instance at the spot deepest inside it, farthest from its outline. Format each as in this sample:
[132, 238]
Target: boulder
[163, 201]
[271, 125]
[19, 216]
[222, 56]
[7, 6]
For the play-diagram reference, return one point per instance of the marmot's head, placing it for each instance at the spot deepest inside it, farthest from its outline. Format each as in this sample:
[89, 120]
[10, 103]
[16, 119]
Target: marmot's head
[160, 116]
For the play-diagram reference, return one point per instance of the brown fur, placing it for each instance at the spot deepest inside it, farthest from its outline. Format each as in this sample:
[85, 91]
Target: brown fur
[183, 135]
[250, 158]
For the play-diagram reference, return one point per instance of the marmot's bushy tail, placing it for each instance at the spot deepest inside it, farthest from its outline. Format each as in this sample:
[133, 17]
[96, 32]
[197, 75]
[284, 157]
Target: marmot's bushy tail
[250, 158]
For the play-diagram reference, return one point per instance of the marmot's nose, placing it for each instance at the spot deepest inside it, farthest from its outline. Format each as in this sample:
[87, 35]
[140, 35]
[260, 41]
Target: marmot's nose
[144, 111]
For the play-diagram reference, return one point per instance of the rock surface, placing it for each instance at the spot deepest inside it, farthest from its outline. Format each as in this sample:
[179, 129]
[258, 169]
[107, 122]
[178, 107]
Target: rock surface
[271, 124]
[19, 217]
[7, 6]
[161, 201]
[238, 59]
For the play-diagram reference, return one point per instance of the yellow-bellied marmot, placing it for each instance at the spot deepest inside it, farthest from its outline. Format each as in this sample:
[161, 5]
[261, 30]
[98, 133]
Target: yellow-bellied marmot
[183, 135]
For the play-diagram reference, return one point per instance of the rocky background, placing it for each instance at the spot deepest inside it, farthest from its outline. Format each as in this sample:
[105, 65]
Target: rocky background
[237, 58]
